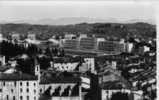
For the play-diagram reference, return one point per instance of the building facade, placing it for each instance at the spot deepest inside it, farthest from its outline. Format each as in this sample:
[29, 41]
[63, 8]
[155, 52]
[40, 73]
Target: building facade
[65, 66]
[88, 43]
[18, 87]
[71, 44]
[60, 89]
[111, 47]
[31, 36]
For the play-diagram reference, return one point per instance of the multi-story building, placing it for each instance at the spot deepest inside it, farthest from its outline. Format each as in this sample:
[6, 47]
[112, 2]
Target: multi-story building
[71, 44]
[129, 47]
[112, 82]
[31, 36]
[88, 65]
[15, 36]
[18, 86]
[88, 43]
[65, 66]
[60, 88]
[82, 36]
[69, 36]
[111, 47]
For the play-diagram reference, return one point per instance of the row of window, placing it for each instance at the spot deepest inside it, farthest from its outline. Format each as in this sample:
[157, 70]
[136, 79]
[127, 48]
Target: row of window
[27, 83]
[21, 98]
[21, 90]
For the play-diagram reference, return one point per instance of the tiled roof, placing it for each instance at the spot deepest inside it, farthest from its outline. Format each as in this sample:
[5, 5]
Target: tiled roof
[46, 79]
[16, 77]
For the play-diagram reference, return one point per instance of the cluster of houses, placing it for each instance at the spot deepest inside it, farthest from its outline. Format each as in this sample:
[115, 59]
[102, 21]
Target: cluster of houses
[70, 79]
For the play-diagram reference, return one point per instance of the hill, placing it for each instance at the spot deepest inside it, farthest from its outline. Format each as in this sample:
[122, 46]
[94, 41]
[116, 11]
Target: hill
[139, 29]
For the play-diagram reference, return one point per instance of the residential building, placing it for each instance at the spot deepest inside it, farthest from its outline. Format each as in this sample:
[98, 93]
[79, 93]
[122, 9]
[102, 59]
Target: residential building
[111, 83]
[69, 66]
[15, 36]
[88, 65]
[60, 88]
[31, 36]
[18, 86]
[69, 36]
[129, 47]
[82, 36]
[107, 93]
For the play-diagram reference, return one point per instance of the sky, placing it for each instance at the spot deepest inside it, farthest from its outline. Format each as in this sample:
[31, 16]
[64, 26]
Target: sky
[10, 11]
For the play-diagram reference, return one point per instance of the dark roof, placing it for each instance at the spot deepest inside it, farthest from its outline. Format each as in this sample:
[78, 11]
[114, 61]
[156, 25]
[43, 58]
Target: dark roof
[4, 68]
[16, 77]
[46, 80]
[66, 59]
[114, 85]
[57, 77]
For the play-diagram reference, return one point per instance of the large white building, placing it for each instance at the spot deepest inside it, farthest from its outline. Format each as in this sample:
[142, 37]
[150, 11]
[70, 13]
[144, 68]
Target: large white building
[65, 66]
[31, 36]
[18, 86]
[89, 64]
[15, 36]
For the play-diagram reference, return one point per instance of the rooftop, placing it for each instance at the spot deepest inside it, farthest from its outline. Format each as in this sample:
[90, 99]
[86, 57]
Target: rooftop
[114, 85]
[59, 80]
[63, 77]
[16, 77]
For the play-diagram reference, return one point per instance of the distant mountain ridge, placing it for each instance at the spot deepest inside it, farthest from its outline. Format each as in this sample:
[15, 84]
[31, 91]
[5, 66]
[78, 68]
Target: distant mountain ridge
[75, 20]
[121, 30]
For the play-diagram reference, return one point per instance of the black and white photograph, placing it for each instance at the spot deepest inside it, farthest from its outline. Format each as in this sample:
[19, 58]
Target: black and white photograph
[65, 50]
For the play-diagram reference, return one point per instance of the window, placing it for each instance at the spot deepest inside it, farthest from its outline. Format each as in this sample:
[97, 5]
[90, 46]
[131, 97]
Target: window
[21, 97]
[3, 83]
[21, 90]
[34, 84]
[27, 83]
[27, 90]
[34, 98]
[27, 97]
[40, 90]
[12, 90]
[13, 97]
[0, 90]
[34, 91]
[20, 83]
[15, 83]
[7, 97]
